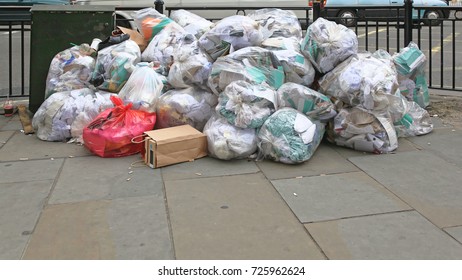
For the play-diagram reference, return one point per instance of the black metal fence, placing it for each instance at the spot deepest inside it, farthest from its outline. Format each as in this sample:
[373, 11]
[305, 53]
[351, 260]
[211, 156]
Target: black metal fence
[440, 41]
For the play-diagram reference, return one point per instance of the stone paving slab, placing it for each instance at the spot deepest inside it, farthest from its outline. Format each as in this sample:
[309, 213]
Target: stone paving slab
[208, 167]
[133, 228]
[234, 217]
[29, 170]
[10, 123]
[397, 236]
[95, 178]
[20, 207]
[337, 196]
[324, 161]
[29, 146]
[3, 121]
[445, 143]
[424, 181]
[4, 136]
[455, 232]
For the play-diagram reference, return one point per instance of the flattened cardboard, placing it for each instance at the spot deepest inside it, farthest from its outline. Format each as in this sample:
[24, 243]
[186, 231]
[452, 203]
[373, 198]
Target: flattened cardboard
[135, 36]
[173, 145]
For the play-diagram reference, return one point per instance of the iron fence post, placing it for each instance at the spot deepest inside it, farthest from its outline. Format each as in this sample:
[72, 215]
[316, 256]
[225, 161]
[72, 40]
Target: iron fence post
[316, 10]
[407, 21]
[159, 6]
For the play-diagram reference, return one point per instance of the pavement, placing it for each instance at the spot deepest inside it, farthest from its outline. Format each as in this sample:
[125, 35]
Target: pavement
[58, 201]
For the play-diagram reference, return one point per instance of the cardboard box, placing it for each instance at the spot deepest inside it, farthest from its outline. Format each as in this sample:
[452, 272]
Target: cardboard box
[173, 145]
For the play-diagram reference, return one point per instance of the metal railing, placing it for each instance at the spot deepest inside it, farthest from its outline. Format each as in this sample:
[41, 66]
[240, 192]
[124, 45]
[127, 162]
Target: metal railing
[14, 20]
[439, 42]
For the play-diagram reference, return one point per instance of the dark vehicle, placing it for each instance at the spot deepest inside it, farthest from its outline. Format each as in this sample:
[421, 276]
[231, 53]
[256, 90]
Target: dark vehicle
[349, 12]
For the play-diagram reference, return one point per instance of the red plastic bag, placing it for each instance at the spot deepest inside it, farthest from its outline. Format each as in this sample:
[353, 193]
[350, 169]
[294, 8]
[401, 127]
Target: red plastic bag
[110, 134]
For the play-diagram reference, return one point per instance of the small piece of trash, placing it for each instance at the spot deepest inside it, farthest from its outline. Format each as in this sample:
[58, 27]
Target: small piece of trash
[71, 156]
[198, 174]
[130, 172]
[129, 168]
[52, 159]
[299, 177]
[295, 194]
[22, 130]
[128, 179]
[3, 142]
[453, 130]
[429, 143]
[23, 158]
[435, 115]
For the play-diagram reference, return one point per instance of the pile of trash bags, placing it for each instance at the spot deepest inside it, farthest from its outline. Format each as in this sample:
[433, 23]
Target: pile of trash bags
[252, 84]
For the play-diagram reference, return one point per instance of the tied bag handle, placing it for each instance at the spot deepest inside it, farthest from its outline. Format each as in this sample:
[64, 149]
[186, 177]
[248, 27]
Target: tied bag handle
[117, 112]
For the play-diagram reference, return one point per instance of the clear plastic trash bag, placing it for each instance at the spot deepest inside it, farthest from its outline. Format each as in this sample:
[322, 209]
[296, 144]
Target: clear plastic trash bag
[289, 137]
[165, 45]
[297, 67]
[54, 119]
[150, 22]
[191, 67]
[193, 106]
[70, 69]
[226, 141]
[411, 64]
[307, 101]
[245, 105]
[192, 23]
[327, 44]
[280, 23]
[114, 65]
[360, 130]
[230, 34]
[143, 88]
[252, 64]
[361, 80]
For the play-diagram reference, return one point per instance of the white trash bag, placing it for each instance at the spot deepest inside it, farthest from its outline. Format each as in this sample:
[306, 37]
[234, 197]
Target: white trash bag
[226, 141]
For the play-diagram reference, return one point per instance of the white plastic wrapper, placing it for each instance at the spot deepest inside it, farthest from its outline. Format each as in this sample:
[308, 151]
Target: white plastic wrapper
[143, 88]
[165, 45]
[289, 137]
[150, 22]
[226, 141]
[362, 80]
[307, 101]
[327, 44]
[191, 106]
[191, 67]
[230, 34]
[245, 105]
[411, 63]
[70, 69]
[252, 64]
[192, 23]
[114, 65]
[280, 23]
[357, 129]
[54, 119]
